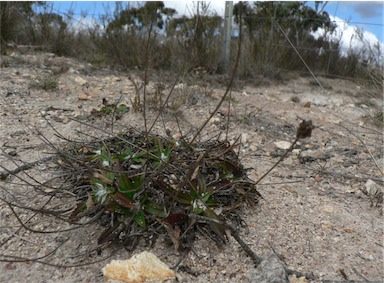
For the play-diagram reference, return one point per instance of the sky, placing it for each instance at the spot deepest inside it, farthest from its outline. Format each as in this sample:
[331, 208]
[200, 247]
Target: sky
[365, 15]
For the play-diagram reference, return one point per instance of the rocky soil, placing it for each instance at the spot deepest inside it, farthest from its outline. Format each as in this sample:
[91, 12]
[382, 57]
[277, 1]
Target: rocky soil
[316, 214]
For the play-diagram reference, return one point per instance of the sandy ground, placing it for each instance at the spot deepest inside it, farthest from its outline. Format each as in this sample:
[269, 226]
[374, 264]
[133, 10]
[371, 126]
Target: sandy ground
[315, 214]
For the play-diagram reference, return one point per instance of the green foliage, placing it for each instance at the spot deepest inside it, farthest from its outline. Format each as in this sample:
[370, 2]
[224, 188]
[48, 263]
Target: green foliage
[51, 31]
[12, 15]
[268, 44]
[152, 13]
[126, 33]
[21, 24]
[294, 17]
[196, 39]
[198, 36]
[50, 22]
[110, 108]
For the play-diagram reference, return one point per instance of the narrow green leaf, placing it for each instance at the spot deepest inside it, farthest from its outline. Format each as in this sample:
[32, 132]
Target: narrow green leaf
[154, 210]
[140, 220]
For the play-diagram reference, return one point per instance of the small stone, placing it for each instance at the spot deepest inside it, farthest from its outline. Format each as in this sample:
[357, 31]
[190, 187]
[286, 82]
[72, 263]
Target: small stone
[317, 178]
[253, 146]
[180, 86]
[176, 136]
[244, 138]
[351, 190]
[116, 79]
[283, 144]
[336, 239]
[72, 71]
[328, 208]
[326, 225]
[80, 80]
[348, 230]
[269, 270]
[83, 96]
[65, 120]
[296, 151]
[294, 279]
[307, 104]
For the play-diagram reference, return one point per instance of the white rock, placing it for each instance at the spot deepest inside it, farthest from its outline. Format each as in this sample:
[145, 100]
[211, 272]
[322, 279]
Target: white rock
[80, 80]
[296, 151]
[143, 267]
[283, 144]
[72, 71]
[180, 86]
[215, 120]
[42, 113]
[244, 137]
[253, 146]
[116, 79]
[328, 208]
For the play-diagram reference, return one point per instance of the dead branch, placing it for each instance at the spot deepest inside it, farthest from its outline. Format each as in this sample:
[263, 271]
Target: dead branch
[26, 166]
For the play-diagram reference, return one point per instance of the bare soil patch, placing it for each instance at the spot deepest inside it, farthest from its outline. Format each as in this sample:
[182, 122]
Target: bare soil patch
[315, 214]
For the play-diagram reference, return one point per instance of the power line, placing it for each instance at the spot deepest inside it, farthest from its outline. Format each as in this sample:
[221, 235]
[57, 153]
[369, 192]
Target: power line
[312, 19]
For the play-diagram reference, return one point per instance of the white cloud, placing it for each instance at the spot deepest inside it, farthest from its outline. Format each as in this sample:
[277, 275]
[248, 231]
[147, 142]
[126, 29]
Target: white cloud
[352, 38]
[188, 8]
